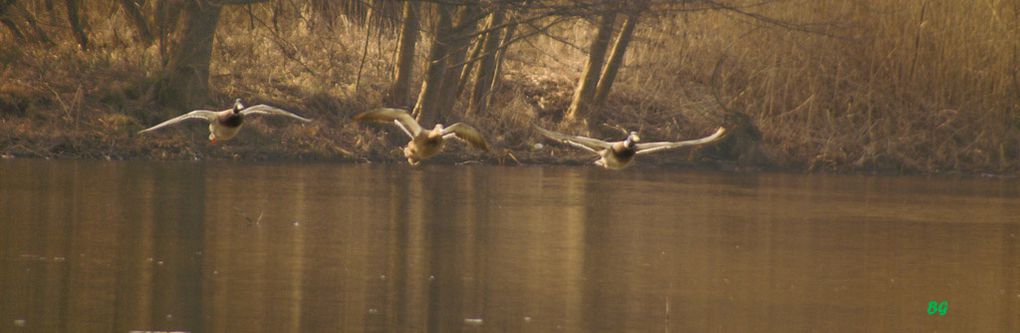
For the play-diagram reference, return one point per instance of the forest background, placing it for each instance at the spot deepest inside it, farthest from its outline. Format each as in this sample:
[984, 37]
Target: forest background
[918, 86]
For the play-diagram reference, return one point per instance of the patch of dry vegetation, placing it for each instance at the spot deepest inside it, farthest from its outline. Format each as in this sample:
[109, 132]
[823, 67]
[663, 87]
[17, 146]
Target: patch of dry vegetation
[917, 87]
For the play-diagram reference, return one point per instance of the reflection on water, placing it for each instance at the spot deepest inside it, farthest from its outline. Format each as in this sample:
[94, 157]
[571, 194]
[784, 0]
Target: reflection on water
[229, 247]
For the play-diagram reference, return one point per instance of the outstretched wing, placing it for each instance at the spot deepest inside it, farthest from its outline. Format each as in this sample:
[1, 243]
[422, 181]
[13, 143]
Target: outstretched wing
[583, 142]
[387, 115]
[651, 147]
[203, 114]
[271, 111]
[467, 133]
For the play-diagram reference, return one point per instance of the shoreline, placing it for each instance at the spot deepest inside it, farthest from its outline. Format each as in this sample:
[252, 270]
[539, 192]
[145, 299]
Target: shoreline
[529, 160]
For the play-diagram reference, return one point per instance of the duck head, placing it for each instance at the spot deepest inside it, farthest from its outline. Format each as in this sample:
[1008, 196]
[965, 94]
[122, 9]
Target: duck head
[436, 131]
[631, 139]
[238, 106]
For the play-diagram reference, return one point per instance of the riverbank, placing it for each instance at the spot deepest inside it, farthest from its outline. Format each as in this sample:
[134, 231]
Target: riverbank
[848, 97]
[112, 137]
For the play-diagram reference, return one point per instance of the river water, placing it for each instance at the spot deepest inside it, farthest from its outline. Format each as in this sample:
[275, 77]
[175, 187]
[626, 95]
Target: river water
[237, 247]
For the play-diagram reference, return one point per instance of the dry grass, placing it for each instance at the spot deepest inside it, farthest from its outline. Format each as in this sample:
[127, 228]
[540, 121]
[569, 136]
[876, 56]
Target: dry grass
[888, 89]
[882, 87]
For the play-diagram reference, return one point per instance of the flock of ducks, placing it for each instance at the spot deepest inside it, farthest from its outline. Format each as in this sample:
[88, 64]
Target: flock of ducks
[425, 143]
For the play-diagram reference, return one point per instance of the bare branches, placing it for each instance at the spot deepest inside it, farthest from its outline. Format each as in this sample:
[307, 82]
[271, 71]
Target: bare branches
[789, 25]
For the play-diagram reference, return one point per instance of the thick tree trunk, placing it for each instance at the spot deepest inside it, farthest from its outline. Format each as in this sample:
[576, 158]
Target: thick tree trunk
[185, 81]
[586, 84]
[487, 66]
[467, 26]
[74, 17]
[405, 59]
[426, 109]
[166, 21]
[615, 61]
[141, 24]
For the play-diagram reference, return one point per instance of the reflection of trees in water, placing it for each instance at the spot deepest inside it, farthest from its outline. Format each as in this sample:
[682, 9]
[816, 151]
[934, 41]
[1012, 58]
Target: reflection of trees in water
[113, 247]
[90, 246]
[178, 238]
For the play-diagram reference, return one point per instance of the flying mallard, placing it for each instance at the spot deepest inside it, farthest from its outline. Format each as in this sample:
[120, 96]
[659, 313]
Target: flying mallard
[424, 143]
[619, 154]
[224, 125]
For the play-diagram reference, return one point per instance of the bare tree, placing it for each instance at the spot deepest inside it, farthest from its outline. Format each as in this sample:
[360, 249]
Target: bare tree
[508, 37]
[186, 78]
[615, 60]
[586, 84]
[467, 26]
[487, 67]
[465, 73]
[426, 108]
[446, 58]
[405, 59]
[166, 21]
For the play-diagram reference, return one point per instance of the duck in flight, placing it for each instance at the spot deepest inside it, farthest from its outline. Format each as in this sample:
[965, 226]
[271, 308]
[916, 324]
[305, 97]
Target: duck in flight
[620, 154]
[224, 125]
[424, 143]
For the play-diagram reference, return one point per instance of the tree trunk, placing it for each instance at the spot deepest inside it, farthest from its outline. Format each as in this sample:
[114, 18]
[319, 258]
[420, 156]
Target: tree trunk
[426, 108]
[503, 46]
[487, 66]
[364, 51]
[185, 81]
[585, 91]
[405, 61]
[465, 72]
[467, 26]
[615, 61]
[166, 21]
[141, 24]
[74, 17]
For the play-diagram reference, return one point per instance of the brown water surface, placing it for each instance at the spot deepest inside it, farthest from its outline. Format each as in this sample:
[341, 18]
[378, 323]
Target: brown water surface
[234, 247]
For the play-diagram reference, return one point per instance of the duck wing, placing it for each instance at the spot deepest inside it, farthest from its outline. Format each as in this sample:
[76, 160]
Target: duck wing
[651, 147]
[202, 114]
[590, 144]
[467, 133]
[388, 115]
[271, 111]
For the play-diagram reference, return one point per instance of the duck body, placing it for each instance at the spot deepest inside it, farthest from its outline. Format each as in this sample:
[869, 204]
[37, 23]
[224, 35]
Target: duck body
[423, 146]
[225, 127]
[617, 157]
